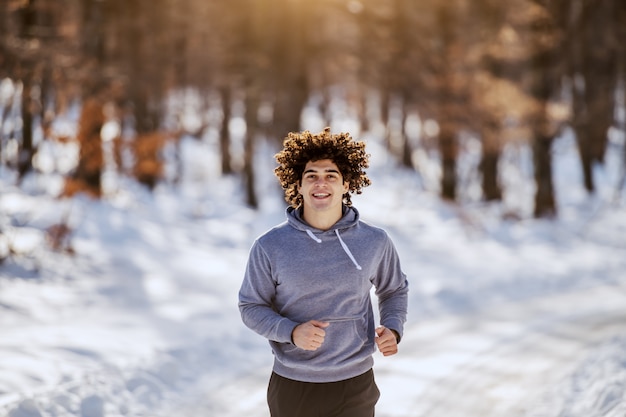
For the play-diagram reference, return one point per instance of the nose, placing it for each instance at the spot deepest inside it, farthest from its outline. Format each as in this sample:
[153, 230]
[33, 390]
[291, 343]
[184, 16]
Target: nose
[320, 182]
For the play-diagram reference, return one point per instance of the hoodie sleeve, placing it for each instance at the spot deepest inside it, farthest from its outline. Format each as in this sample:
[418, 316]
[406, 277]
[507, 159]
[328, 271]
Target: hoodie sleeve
[256, 297]
[392, 290]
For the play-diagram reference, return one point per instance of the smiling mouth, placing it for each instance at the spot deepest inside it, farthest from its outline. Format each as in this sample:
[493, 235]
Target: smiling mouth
[321, 195]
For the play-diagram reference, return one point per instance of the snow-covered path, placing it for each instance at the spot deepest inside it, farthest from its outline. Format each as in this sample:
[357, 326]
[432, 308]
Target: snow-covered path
[511, 361]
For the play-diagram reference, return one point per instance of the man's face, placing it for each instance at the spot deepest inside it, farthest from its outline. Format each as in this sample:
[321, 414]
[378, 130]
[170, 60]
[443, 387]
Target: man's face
[322, 187]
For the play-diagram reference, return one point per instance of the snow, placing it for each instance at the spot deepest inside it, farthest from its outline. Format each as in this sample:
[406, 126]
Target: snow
[516, 316]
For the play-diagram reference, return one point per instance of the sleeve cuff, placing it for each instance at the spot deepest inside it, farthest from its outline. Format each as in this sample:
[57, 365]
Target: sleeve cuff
[285, 330]
[396, 326]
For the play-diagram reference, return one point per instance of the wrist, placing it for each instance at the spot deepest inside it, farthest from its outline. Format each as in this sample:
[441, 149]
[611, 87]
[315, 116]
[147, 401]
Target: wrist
[396, 334]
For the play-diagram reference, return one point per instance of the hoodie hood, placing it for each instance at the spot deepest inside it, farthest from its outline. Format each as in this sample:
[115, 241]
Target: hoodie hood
[349, 219]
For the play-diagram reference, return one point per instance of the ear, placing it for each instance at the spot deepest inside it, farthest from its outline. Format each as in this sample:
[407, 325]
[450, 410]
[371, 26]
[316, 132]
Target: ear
[346, 186]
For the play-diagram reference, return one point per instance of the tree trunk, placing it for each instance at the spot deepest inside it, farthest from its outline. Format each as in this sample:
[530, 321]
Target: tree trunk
[26, 149]
[489, 162]
[252, 106]
[489, 170]
[385, 114]
[406, 158]
[448, 149]
[288, 107]
[5, 114]
[545, 205]
[227, 167]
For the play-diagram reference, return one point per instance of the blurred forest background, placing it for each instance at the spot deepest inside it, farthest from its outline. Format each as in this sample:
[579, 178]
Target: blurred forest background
[434, 74]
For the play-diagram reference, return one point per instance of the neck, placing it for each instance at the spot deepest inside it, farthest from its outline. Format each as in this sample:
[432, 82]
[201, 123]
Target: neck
[321, 220]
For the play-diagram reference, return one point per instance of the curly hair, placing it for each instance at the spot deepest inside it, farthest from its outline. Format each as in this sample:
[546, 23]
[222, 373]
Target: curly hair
[304, 147]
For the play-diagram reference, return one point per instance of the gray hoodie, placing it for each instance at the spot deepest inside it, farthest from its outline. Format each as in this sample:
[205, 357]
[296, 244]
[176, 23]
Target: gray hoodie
[296, 273]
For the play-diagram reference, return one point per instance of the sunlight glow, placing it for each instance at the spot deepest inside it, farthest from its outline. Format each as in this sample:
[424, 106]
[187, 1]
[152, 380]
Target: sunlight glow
[355, 6]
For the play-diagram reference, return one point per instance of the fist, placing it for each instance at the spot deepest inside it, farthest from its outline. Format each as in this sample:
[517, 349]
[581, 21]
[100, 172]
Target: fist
[309, 335]
[386, 341]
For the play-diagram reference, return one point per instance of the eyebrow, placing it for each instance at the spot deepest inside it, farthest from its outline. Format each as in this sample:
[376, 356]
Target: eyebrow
[326, 170]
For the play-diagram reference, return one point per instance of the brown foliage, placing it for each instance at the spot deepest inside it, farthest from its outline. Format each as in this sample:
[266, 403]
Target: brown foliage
[91, 159]
[148, 168]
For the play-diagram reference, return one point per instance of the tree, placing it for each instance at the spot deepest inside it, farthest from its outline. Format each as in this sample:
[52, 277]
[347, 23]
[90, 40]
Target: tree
[545, 45]
[593, 51]
[496, 101]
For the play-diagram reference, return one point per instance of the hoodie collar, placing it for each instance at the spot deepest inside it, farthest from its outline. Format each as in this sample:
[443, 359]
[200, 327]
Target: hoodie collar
[350, 218]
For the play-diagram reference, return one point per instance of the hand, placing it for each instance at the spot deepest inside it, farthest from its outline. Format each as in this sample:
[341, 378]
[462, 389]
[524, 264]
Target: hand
[386, 341]
[309, 335]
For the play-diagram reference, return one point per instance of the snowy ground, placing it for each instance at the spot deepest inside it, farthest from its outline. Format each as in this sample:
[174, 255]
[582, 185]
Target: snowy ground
[517, 317]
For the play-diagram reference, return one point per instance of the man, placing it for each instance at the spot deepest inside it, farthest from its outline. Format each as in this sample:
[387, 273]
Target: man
[307, 284]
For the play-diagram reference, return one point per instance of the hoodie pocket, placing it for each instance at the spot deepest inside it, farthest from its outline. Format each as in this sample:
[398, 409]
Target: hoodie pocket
[345, 334]
[359, 328]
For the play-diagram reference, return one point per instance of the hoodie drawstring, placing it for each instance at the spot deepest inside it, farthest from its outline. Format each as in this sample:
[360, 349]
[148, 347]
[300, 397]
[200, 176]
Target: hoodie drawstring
[347, 251]
[312, 236]
[345, 247]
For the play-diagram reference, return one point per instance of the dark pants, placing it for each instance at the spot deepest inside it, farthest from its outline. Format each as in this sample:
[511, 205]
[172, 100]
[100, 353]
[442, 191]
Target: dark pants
[354, 397]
